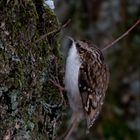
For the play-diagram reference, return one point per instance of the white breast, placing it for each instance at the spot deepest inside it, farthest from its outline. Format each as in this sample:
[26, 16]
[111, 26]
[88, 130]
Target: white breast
[71, 78]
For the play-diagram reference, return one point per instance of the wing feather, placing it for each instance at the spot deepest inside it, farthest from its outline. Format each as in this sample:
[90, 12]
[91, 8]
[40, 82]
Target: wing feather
[93, 83]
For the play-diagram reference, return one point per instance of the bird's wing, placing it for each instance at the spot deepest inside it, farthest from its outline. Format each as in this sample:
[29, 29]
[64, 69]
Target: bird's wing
[93, 83]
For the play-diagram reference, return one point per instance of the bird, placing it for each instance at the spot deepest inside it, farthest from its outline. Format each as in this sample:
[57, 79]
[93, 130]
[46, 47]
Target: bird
[86, 81]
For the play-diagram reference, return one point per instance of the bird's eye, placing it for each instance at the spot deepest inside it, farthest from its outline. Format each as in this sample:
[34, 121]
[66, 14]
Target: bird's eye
[79, 47]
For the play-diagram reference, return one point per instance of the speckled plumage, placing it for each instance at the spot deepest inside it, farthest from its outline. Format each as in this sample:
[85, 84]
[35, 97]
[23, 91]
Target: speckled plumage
[93, 80]
[86, 79]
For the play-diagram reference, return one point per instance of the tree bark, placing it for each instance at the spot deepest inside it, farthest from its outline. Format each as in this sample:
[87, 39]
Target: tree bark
[30, 106]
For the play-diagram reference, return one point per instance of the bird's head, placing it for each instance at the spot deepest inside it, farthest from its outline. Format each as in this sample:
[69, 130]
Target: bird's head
[71, 43]
[67, 44]
[82, 48]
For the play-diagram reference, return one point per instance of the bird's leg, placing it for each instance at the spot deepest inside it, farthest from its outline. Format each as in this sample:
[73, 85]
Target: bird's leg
[73, 126]
[55, 81]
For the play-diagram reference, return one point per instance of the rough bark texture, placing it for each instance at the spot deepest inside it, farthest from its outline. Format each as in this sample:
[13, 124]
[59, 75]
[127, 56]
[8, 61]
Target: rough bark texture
[30, 106]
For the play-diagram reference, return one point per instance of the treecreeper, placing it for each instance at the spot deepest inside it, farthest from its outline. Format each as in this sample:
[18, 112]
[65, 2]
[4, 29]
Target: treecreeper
[86, 81]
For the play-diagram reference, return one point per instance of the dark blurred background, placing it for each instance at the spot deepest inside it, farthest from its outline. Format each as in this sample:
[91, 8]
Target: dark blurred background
[102, 21]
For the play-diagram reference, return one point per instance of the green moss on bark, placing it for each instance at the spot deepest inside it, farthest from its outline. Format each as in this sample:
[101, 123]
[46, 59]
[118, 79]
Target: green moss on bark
[30, 106]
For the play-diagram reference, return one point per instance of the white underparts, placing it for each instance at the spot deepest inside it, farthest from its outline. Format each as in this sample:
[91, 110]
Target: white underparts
[71, 78]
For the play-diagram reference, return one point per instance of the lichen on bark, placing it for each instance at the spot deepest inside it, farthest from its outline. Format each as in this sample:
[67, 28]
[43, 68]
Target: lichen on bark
[30, 105]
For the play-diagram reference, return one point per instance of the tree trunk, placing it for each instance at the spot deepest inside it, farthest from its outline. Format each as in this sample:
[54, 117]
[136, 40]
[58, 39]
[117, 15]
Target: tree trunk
[30, 105]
